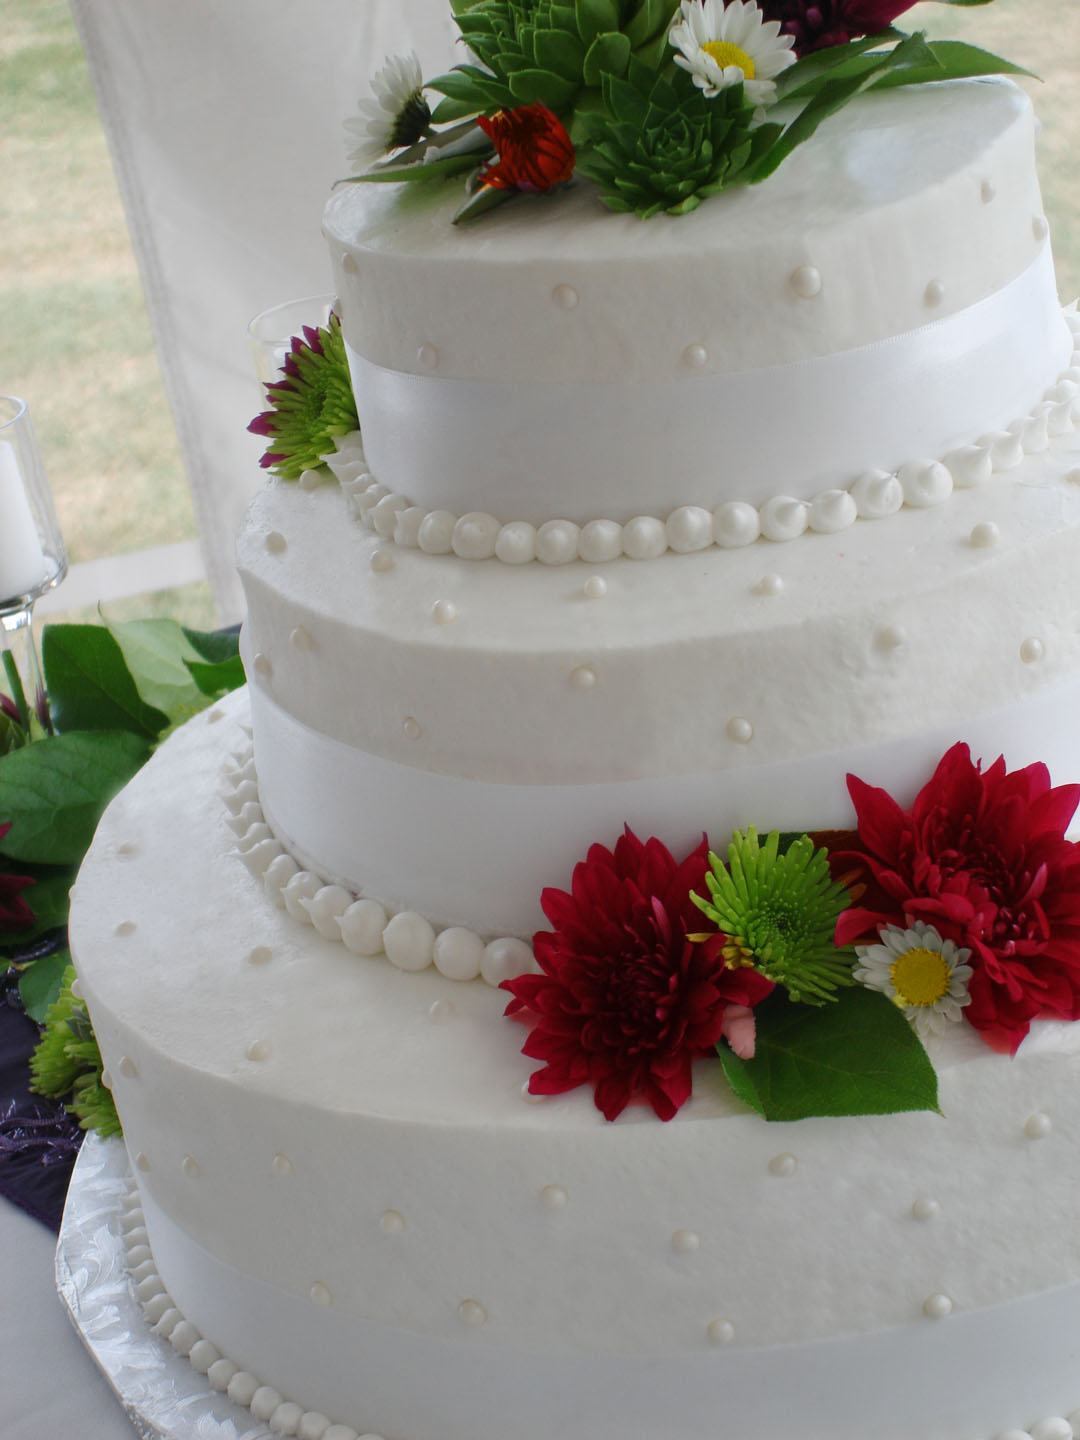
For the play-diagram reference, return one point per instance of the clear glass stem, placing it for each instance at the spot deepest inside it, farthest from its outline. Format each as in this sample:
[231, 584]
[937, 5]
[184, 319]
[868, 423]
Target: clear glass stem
[21, 682]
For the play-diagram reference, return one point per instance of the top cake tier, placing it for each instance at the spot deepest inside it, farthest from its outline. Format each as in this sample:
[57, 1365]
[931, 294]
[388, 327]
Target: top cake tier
[886, 296]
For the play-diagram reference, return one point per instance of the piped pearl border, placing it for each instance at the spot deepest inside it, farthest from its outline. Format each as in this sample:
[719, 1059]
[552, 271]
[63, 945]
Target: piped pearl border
[874, 495]
[364, 926]
[284, 1417]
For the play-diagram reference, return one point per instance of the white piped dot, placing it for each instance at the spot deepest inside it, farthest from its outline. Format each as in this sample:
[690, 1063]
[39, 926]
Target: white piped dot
[286, 1418]
[320, 1293]
[1073, 477]
[436, 533]
[300, 638]
[310, 480]
[261, 664]
[411, 728]
[783, 1165]
[1032, 650]
[428, 357]
[1040, 227]
[505, 959]
[382, 560]
[806, 282]
[264, 1402]
[735, 524]
[127, 851]
[409, 941]
[242, 1388]
[769, 585]
[644, 538]
[439, 1011]
[696, 357]
[475, 536]
[685, 1241]
[720, 1332]
[261, 955]
[583, 677]
[257, 1050]
[127, 1067]
[391, 1222]
[553, 1197]
[349, 263]
[891, 637]
[276, 542]
[142, 1161]
[985, 534]
[937, 1306]
[557, 542]
[472, 1312]
[566, 297]
[281, 1165]
[595, 587]
[934, 294]
[106, 1079]
[444, 612]
[458, 953]
[739, 730]
[126, 927]
[362, 926]
[516, 543]
[925, 1208]
[987, 192]
[600, 540]
[191, 1167]
[1038, 1126]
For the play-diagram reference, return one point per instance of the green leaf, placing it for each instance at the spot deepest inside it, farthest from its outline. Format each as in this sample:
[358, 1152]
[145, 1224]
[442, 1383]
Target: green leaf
[954, 60]
[561, 53]
[157, 652]
[652, 19]
[531, 87]
[434, 170]
[213, 645]
[489, 197]
[55, 790]
[856, 1057]
[595, 17]
[90, 687]
[40, 983]
[807, 73]
[608, 55]
[214, 680]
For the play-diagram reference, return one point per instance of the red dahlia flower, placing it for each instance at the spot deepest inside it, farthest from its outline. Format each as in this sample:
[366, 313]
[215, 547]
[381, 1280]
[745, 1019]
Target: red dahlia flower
[15, 913]
[817, 24]
[626, 1001]
[533, 150]
[983, 858]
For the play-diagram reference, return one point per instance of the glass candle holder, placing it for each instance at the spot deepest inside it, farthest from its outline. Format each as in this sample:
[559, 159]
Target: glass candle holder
[32, 560]
[271, 331]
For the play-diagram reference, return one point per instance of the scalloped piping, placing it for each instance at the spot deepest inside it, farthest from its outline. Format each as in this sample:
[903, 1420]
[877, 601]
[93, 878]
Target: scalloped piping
[363, 925]
[731, 525]
[285, 1417]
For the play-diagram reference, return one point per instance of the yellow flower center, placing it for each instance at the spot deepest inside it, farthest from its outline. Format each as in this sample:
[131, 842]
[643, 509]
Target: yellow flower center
[726, 55]
[920, 977]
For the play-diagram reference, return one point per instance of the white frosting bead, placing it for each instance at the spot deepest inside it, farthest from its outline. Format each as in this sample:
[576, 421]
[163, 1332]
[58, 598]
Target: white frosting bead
[689, 528]
[320, 1294]
[644, 538]
[595, 587]
[1054, 1427]
[264, 1402]
[1006, 451]
[557, 542]
[832, 511]
[156, 1306]
[769, 585]
[925, 483]
[784, 518]
[221, 1373]
[436, 533]
[444, 612]
[202, 1355]
[407, 524]
[735, 523]
[506, 959]
[383, 560]
[253, 835]
[303, 886]
[1034, 432]
[806, 281]
[720, 1332]
[409, 941]
[985, 533]
[242, 1388]
[365, 503]
[696, 356]
[1032, 650]
[969, 466]
[313, 1426]
[516, 543]
[458, 953]
[554, 1197]
[258, 858]
[925, 1209]
[168, 1322]
[384, 515]
[325, 907]
[1062, 417]
[1038, 1126]
[739, 730]
[428, 357]
[934, 294]
[340, 1432]
[685, 1242]
[286, 1418]
[278, 874]
[783, 1165]
[600, 540]
[565, 297]
[362, 927]
[877, 493]
[474, 536]
[472, 1312]
[937, 1306]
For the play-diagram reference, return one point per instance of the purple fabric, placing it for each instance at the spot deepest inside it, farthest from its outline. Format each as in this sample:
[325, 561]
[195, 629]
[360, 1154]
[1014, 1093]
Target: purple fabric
[38, 1139]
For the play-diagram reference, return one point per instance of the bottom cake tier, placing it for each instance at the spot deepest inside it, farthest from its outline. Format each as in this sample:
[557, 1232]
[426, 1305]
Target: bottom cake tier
[347, 1193]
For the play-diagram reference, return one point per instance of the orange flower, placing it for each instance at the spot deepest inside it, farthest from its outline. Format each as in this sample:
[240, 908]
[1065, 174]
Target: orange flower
[533, 150]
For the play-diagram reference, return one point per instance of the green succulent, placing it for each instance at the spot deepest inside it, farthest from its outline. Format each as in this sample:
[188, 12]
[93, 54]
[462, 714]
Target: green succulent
[660, 145]
[67, 1063]
[553, 52]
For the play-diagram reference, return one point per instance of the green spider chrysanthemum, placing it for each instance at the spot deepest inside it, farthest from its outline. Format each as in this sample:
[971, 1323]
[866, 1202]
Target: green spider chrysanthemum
[778, 912]
[67, 1063]
[310, 406]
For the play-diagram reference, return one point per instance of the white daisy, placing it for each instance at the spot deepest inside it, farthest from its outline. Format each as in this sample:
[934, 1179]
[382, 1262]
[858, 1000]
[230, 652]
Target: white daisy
[397, 116]
[724, 44]
[920, 972]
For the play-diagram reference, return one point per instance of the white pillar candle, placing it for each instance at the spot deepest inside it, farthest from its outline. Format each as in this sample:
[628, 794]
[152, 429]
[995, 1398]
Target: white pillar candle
[23, 566]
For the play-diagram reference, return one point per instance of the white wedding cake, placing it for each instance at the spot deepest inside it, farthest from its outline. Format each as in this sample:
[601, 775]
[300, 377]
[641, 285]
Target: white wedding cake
[661, 525]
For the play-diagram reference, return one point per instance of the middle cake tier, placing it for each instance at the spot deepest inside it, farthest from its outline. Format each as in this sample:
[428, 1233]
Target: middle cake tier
[449, 736]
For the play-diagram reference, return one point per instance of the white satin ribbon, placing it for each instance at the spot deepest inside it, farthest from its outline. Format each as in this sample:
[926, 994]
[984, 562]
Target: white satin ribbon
[584, 451]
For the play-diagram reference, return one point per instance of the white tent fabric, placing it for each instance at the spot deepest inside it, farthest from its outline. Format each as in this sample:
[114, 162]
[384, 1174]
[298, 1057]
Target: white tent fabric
[224, 118]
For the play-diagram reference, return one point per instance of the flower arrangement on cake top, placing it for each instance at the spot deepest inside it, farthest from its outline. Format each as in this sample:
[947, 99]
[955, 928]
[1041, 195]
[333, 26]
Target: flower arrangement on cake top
[661, 103]
[831, 957]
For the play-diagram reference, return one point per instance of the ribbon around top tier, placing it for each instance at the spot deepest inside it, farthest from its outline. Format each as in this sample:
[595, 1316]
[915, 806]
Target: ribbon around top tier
[584, 450]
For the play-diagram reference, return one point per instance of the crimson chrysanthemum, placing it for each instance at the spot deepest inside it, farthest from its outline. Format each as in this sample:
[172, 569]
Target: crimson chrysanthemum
[817, 24]
[533, 150]
[626, 1001]
[981, 856]
[15, 913]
